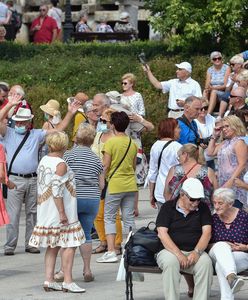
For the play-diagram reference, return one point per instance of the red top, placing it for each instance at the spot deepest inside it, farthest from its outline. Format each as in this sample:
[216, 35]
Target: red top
[5, 101]
[45, 34]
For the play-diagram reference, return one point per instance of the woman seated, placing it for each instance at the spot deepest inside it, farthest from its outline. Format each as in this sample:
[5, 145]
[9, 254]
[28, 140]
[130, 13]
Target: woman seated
[217, 76]
[190, 166]
[82, 23]
[230, 242]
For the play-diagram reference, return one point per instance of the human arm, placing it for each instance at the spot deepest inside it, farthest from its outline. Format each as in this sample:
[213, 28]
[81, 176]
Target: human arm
[101, 181]
[207, 83]
[152, 198]
[106, 163]
[54, 36]
[148, 126]
[212, 178]
[213, 148]
[157, 84]
[201, 245]
[35, 26]
[239, 247]
[172, 247]
[240, 149]
[167, 192]
[61, 170]
[240, 183]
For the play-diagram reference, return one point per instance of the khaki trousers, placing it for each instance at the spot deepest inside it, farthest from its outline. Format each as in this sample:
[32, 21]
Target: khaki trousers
[202, 272]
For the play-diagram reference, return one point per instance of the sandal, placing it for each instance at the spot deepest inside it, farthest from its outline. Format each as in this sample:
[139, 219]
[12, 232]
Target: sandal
[100, 249]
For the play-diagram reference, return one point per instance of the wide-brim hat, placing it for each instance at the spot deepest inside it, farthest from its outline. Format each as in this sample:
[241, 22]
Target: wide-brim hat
[114, 95]
[51, 107]
[194, 188]
[23, 114]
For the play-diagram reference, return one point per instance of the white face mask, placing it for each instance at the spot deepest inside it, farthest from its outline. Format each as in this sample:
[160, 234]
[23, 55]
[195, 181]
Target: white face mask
[103, 127]
[20, 129]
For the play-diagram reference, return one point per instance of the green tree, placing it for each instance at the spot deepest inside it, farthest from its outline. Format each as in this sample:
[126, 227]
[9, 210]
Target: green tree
[200, 24]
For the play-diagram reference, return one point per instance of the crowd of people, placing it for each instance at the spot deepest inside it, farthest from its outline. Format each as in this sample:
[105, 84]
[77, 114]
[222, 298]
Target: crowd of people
[197, 177]
[47, 27]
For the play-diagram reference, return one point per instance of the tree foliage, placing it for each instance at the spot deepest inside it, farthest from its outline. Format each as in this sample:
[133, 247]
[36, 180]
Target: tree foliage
[200, 24]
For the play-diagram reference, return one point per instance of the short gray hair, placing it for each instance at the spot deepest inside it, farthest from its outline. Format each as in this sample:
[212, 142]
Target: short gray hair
[191, 99]
[105, 99]
[19, 90]
[88, 106]
[227, 195]
[215, 54]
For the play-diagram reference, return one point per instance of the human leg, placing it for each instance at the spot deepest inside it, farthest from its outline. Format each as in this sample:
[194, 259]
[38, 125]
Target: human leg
[50, 260]
[13, 206]
[30, 207]
[127, 208]
[67, 257]
[212, 101]
[169, 263]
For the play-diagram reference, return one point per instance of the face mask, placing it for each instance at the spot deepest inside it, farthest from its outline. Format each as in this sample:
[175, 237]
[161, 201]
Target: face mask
[103, 127]
[46, 116]
[20, 130]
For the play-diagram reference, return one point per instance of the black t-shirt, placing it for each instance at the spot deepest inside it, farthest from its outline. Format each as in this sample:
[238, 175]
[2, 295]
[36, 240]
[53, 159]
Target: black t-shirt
[184, 231]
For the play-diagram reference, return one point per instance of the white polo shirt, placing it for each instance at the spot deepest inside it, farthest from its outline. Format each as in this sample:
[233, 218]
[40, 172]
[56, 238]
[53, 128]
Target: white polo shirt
[180, 89]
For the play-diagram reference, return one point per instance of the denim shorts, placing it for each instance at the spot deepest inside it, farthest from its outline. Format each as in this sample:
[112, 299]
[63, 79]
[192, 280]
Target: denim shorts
[87, 211]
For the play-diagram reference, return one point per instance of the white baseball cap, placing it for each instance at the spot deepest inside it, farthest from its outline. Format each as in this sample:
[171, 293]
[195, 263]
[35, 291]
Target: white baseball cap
[185, 65]
[194, 188]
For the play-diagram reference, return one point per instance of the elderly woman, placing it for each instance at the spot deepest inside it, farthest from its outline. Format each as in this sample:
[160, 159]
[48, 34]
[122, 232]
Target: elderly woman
[231, 154]
[119, 160]
[217, 76]
[124, 25]
[229, 242]
[163, 156]
[101, 138]
[190, 166]
[57, 221]
[82, 23]
[205, 125]
[88, 171]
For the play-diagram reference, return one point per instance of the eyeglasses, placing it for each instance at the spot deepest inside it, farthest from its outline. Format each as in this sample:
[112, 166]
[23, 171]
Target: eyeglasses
[103, 121]
[42, 9]
[204, 108]
[217, 58]
[192, 199]
[232, 65]
[232, 96]
[124, 83]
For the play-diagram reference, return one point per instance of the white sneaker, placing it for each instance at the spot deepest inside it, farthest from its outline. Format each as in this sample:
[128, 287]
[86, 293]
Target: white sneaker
[108, 257]
[72, 288]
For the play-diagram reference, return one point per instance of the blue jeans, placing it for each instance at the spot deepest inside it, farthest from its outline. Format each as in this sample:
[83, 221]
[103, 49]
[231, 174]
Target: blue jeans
[87, 211]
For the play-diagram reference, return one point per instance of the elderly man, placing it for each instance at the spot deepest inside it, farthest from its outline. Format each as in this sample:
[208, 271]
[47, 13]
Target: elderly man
[22, 168]
[44, 28]
[237, 101]
[179, 89]
[184, 228]
[189, 131]
[100, 103]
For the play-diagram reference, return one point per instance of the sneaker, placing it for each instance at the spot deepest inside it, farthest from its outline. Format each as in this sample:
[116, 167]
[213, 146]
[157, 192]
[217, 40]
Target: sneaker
[108, 257]
[236, 285]
[32, 250]
[72, 288]
[9, 252]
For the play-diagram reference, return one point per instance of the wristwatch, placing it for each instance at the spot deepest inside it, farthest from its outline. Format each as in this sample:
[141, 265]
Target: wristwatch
[199, 252]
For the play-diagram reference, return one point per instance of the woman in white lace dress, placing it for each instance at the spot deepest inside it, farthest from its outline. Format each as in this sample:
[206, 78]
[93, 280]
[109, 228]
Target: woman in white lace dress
[57, 221]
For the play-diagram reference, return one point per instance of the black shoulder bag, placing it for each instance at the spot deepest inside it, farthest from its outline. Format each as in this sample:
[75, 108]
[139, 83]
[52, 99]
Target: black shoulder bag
[159, 163]
[103, 194]
[5, 188]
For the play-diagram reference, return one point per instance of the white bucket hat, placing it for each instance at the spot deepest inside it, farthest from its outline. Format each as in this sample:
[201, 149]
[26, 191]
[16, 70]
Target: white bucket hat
[23, 114]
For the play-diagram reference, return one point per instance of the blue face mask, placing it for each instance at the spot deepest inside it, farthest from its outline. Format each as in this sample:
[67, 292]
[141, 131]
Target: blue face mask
[46, 116]
[20, 130]
[103, 128]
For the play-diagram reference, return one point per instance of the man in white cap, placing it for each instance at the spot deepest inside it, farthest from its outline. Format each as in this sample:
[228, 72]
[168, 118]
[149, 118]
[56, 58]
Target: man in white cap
[184, 228]
[179, 88]
[22, 168]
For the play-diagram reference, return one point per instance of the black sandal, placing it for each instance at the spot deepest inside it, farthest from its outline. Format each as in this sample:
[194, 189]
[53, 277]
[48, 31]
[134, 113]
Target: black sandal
[100, 249]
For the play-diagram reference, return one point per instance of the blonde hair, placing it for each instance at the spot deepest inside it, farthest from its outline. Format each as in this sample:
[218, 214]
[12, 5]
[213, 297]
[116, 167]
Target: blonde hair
[108, 112]
[57, 141]
[204, 100]
[243, 75]
[235, 124]
[129, 76]
[193, 152]
[85, 134]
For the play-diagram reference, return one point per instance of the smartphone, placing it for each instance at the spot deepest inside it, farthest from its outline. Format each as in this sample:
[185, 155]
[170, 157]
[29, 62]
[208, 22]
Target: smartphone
[142, 58]
[70, 100]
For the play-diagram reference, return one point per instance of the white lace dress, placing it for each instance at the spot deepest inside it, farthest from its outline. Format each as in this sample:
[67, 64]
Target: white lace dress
[48, 230]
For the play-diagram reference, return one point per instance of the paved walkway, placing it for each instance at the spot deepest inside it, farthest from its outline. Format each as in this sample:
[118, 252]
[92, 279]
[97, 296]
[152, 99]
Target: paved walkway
[22, 275]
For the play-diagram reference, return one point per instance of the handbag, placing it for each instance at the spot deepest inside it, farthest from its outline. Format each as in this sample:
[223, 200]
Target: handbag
[4, 187]
[103, 194]
[159, 163]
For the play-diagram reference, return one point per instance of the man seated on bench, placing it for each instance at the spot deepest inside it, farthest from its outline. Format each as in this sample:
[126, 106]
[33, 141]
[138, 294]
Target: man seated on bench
[184, 228]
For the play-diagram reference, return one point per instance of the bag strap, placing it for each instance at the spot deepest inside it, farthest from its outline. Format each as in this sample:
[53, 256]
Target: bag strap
[18, 150]
[182, 180]
[187, 123]
[160, 156]
[121, 159]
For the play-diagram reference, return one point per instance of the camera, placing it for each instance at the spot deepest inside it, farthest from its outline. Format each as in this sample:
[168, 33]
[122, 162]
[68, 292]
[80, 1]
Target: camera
[142, 58]
[204, 141]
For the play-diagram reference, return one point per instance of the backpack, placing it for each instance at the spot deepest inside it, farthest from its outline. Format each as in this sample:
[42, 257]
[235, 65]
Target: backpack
[16, 19]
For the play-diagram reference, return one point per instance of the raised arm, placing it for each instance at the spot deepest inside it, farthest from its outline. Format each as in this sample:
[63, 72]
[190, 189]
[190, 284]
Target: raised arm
[157, 84]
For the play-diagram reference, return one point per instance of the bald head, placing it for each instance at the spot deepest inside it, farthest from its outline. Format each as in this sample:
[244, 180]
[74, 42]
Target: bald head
[81, 97]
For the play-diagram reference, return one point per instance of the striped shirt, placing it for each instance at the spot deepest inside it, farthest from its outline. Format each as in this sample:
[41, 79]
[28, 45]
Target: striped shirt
[87, 167]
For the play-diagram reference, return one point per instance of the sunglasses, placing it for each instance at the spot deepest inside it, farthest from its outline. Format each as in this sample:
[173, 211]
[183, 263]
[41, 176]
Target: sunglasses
[124, 83]
[103, 121]
[232, 65]
[204, 108]
[192, 199]
[217, 58]
[232, 96]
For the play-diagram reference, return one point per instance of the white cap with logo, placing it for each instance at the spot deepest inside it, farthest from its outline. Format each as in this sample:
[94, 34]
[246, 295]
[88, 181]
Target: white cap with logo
[185, 65]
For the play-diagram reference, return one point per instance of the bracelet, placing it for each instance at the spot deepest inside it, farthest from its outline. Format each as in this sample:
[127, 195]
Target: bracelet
[199, 252]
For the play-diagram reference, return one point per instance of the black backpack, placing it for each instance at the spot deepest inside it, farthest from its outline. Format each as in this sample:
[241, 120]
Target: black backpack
[16, 19]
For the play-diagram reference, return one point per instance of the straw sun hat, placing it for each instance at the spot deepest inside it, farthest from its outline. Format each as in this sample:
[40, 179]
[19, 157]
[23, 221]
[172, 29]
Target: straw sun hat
[51, 107]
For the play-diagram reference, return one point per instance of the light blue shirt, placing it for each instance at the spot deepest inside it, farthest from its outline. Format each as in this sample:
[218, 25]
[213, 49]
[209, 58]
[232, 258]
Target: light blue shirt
[26, 160]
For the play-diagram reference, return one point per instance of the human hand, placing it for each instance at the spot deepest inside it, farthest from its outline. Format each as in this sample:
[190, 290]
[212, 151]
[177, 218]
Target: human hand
[14, 99]
[180, 103]
[136, 118]
[184, 263]
[238, 183]
[153, 202]
[146, 68]
[37, 27]
[73, 106]
[239, 247]
[11, 185]
[193, 258]
[203, 146]
[63, 218]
